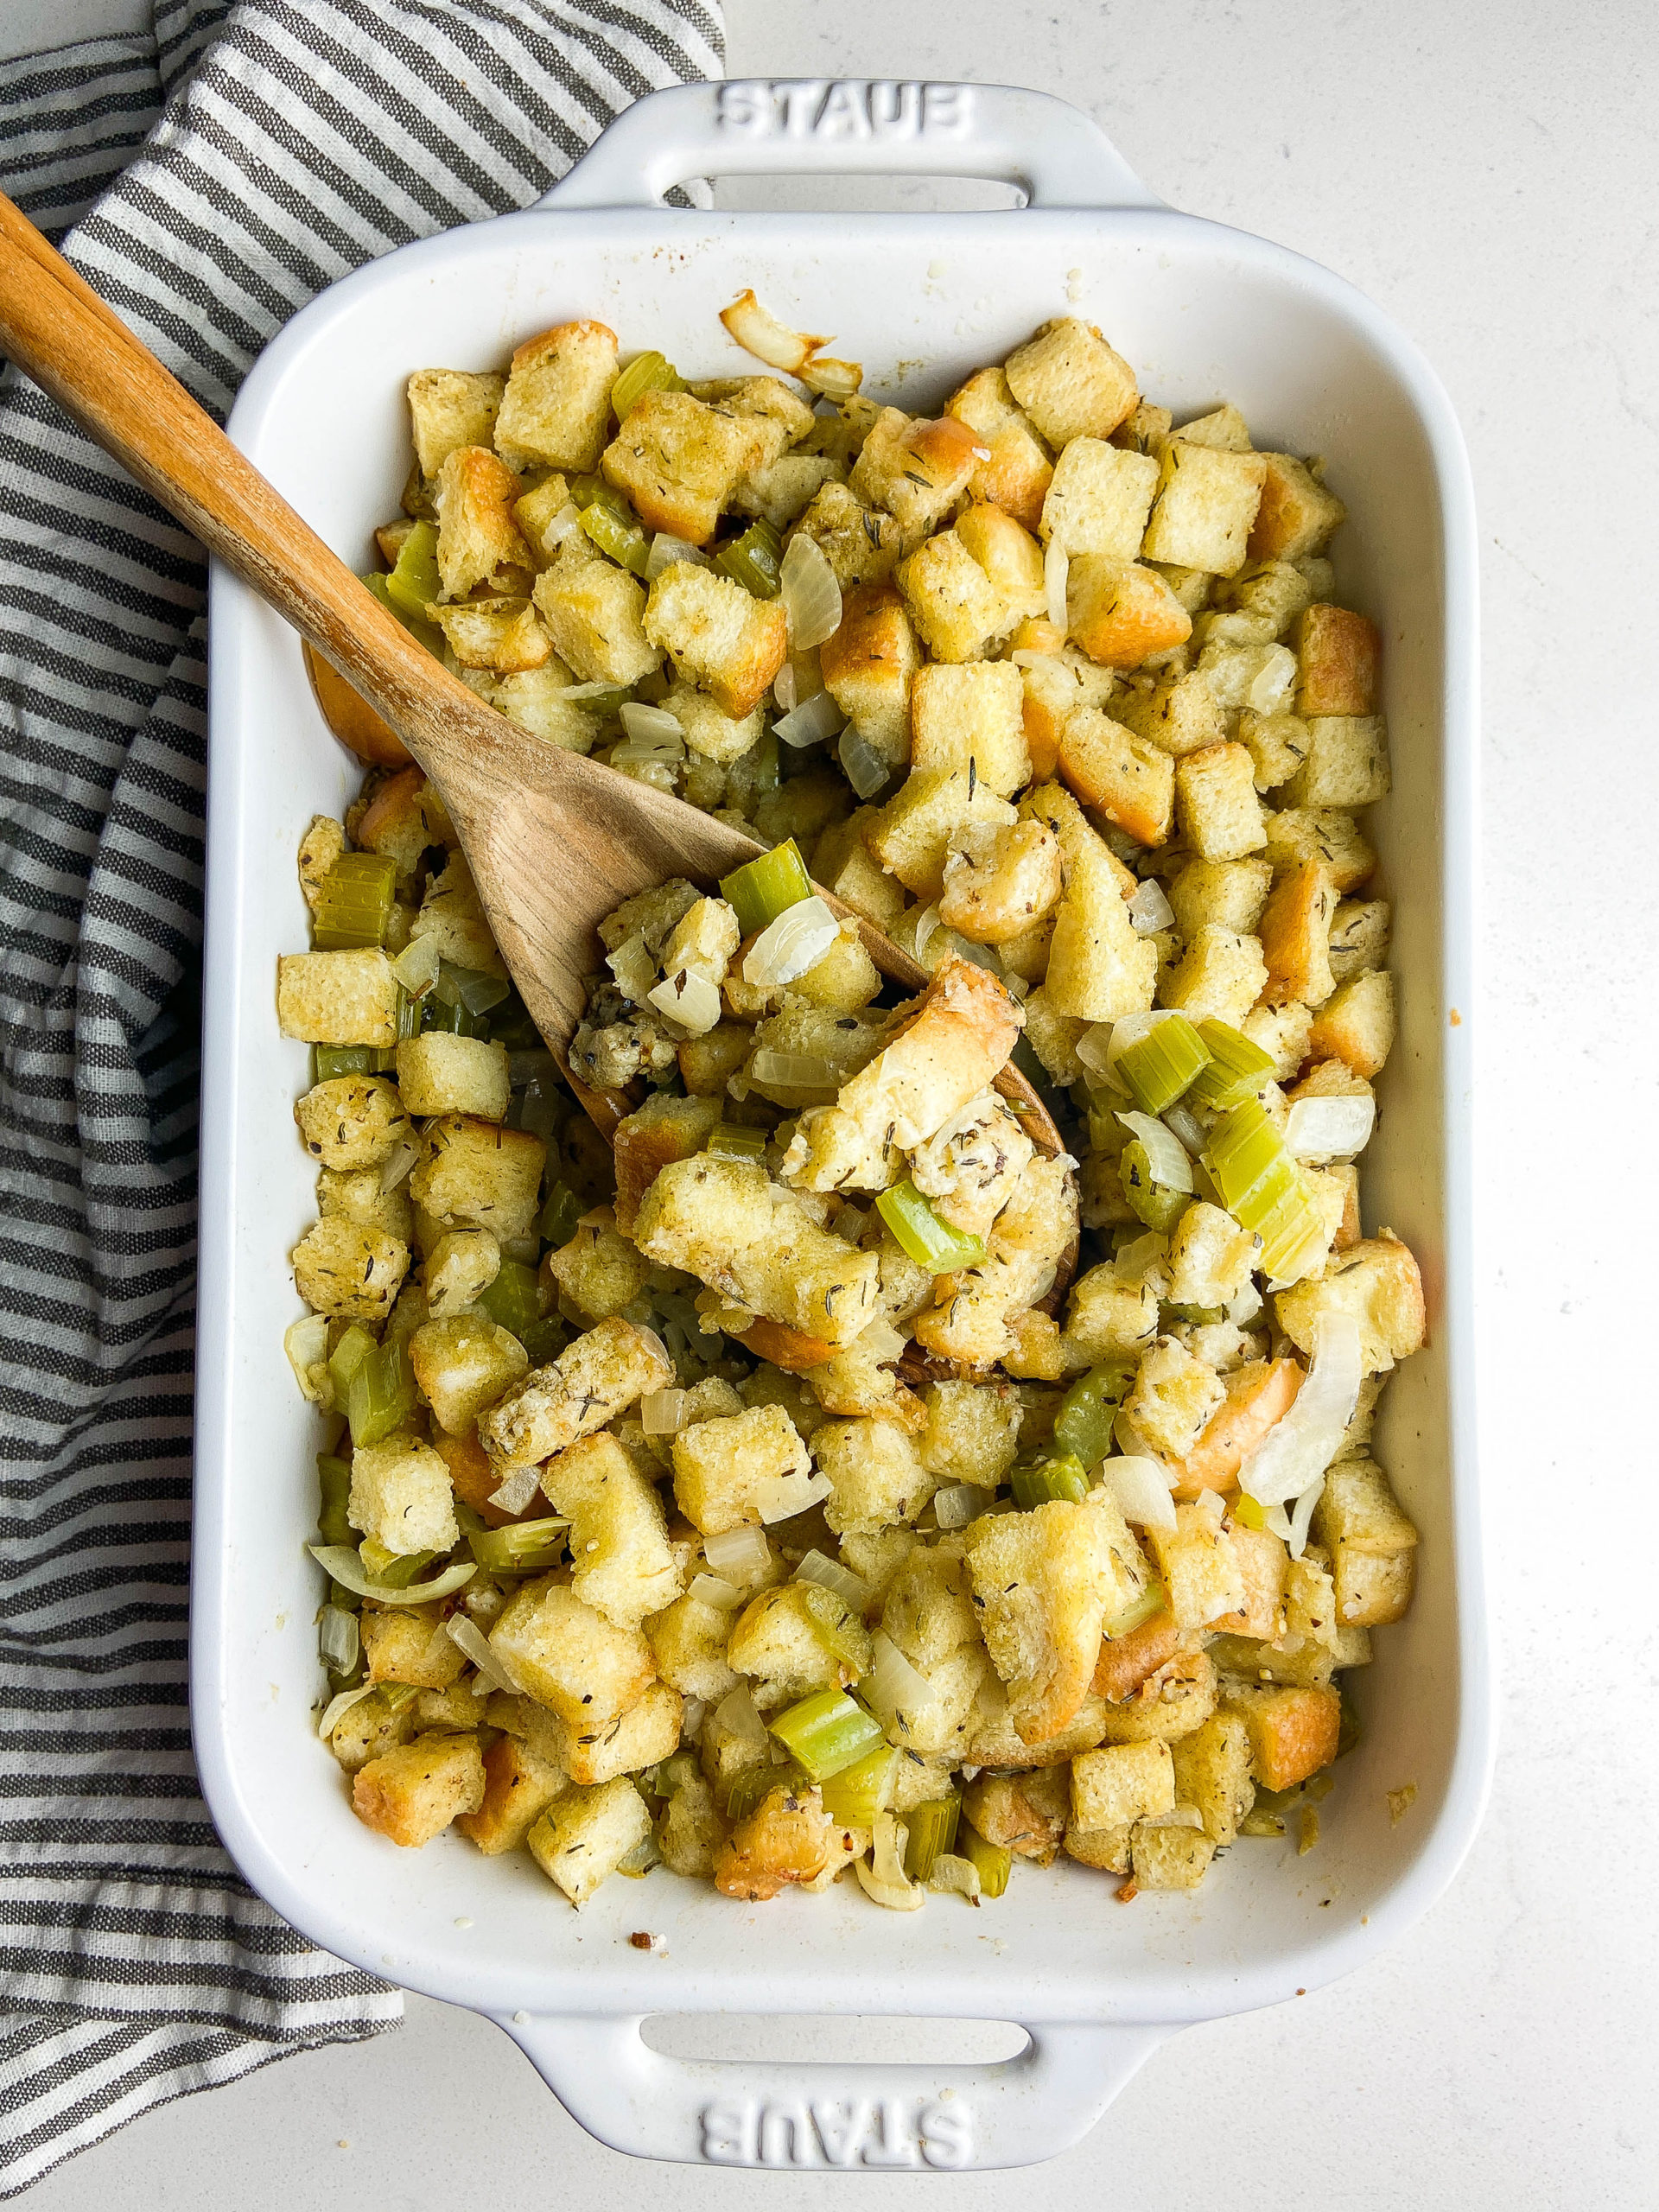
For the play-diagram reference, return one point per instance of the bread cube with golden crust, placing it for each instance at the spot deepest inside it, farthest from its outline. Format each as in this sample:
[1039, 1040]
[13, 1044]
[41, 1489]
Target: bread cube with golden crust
[679, 460]
[463, 1363]
[568, 1657]
[1025, 1814]
[954, 604]
[412, 1794]
[1178, 713]
[1123, 777]
[593, 1752]
[1216, 804]
[1296, 936]
[1016, 477]
[1230, 894]
[1099, 969]
[452, 916]
[593, 1380]
[624, 1565]
[402, 1497]
[869, 667]
[1206, 503]
[688, 1640]
[349, 1269]
[476, 1174]
[1346, 763]
[556, 406]
[598, 1272]
[1057, 687]
[406, 1644]
[721, 1466]
[1212, 1773]
[1172, 1400]
[499, 634]
[1295, 515]
[779, 1641]
[861, 543]
[351, 1121]
[1122, 612]
[1169, 1857]
[337, 998]
[786, 1839]
[585, 1835]
[876, 1475]
[1109, 1319]
[1373, 1545]
[450, 407]
[911, 835]
[356, 1194]
[1070, 382]
[717, 635]
[519, 1784]
[594, 612]
[1375, 1281]
[1000, 883]
[1356, 1025]
[478, 533]
[1299, 835]
[1121, 1784]
[1292, 1731]
[441, 1074]
[972, 716]
[1099, 500]
[917, 469]
[1337, 651]
[1172, 1701]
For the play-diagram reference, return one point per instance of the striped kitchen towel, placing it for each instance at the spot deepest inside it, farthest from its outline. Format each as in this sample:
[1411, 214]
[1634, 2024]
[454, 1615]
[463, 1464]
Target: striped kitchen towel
[209, 177]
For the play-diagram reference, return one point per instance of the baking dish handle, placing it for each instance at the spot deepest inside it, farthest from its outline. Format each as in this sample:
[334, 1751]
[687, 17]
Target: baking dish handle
[845, 126]
[830, 2116]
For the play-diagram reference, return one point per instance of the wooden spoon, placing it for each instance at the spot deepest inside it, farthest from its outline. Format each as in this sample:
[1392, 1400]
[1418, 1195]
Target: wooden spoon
[554, 841]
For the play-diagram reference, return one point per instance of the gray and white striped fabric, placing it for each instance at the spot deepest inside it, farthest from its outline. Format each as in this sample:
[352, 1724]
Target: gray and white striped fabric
[210, 178]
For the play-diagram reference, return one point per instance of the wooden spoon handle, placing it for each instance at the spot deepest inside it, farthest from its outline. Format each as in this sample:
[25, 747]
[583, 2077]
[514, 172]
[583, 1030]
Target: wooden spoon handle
[63, 336]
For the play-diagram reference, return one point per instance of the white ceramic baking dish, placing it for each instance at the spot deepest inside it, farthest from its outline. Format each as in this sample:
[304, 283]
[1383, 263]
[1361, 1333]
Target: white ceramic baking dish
[1204, 312]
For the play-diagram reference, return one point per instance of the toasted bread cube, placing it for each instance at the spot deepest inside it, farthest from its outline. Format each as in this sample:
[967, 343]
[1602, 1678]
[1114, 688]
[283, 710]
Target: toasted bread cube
[556, 406]
[1346, 764]
[1230, 894]
[875, 1473]
[1264, 1564]
[1216, 800]
[1200, 1568]
[717, 635]
[585, 1835]
[1179, 714]
[463, 1363]
[412, 1794]
[1174, 1701]
[463, 1263]
[1099, 500]
[1053, 1036]
[1025, 1814]
[709, 730]
[778, 1641]
[357, 1195]
[972, 1434]
[320, 847]
[1295, 515]
[402, 1496]
[1219, 978]
[406, 1644]
[679, 460]
[1046, 1582]
[1282, 1032]
[954, 604]
[1099, 969]
[1070, 382]
[1360, 930]
[476, 1174]
[593, 1752]
[1121, 612]
[1278, 744]
[785, 1840]
[1001, 884]
[1025, 1246]
[1323, 834]
[1124, 1783]
[536, 511]
[917, 470]
[861, 543]
[478, 533]
[351, 1121]
[594, 612]
[441, 1074]
[1169, 1857]
[1056, 688]
[1010, 557]
[370, 1729]
[1017, 475]
[1109, 1319]
[568, 1657]
[911, 835]
[1372, 1589]
[502, 634]
[971, 716]
[519, 1784]
[1293, 1730]
[706, 1064]
[345, 1269]
[593, 1380]
[1127, 779]
[783, 490]
[451, 915]
[624, 1564]
[720, 1464]
[1173, 1395]
[1357, 1024]
[449, 408]
[1105, 1849]
[1296, 935]
[1212, 1773]
[403, 819]
[1127, 1661]
[1337, 649]
[1210, 1257]
[869, 667]
[1358, 1512]
[688, 1640]
[1378, 1283]
[769, 415]
[1206, 502]
[598, 1273]
[1223, 428]
[994, 1741]
[338, 998]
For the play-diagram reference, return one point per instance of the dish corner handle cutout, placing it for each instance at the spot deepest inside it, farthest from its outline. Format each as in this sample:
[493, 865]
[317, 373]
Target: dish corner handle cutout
[833, 2116]
[848, 126]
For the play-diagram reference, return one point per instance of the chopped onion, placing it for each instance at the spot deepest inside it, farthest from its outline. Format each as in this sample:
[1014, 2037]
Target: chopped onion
[957, 1504]
[954, 1877]
[813, 720]
[1168, 1156]
[892, 1687]
[848, 1224]
[516, 1492]
[341, 1564]
[865, 768]
[1055, 567]
[830, 1575]
[737, 1715]
[666, 550]
[834, 379]
[306, 1343]
[1030, 657]
[1210, 1503]
[653, 727]
[780, 1498]
[889, 1840]
[1093, 1049]
[1330, 1128]
[1149, 909]
[1136, 1261]
[880, 1342]
[692, 1718]
[795, 1071]
[396, 1166]
[785, 949]
[337, 1708]
[635, 969]
[339, 1639]
[1141, 1490]
[1272, 682]
[688, 998]
[715, 1590]
[1133, 1446]
[743, 1554]
[565, 523]
[1182, 1122]
[1299, 1448]
[416, 965]
[1178, 1817]
[810, 594]
[663, 1412]
[1243, 1309]
[782, 688]
[758, 331]
[467, 1637]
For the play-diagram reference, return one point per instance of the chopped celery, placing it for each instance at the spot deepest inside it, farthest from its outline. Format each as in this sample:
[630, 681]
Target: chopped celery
[330, 1060]
[1159, 1067]
[932, 1827]
[932, 1243]
[1150, 1201]
[395, 1570]
[511, 1024]
[354, 902]
[510, 1300]
[1264, 1189]
[413, 584]
[1250, 1511]
[762, 889]
[651, 372]
[334, 1480]
[381, 1395]
[451, 1016]
[348, 1356]
[827, 1731]
[768, 773]
[1293, 1235]
[750, 1789]
[522, 1548]
[1349, 1730]
[993, 1861]
[423, 633]
[585, 489]
[561, 1214]
[859, 1792]
[621, 538]
[1083, 1424]
[603, 701]
[754, 560]
[733, 1143]
[544, 1339]
[837, 1626]
[475, 989]
[1055, 1476]
[1138, 1611]
[1236, 1069]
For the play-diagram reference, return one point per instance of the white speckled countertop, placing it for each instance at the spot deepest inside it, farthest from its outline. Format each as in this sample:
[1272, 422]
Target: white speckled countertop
[1489, 173]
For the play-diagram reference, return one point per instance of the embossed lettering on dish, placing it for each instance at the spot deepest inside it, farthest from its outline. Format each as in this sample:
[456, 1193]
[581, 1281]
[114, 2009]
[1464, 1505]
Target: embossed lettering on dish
[869, 2132]
[832, 109]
